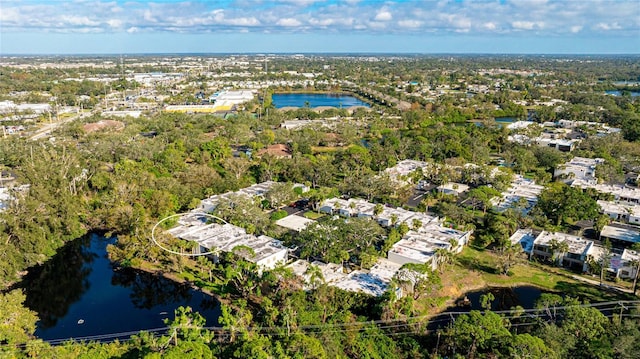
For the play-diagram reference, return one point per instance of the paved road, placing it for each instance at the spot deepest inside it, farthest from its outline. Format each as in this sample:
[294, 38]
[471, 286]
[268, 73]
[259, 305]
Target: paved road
[45, 130]
[605, 286]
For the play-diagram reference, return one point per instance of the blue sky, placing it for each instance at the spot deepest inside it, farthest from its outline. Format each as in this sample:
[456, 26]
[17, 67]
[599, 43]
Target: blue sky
[271, 26]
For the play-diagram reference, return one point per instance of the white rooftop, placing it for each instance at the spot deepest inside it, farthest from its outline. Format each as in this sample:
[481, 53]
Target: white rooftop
[620, 193]
[520, 188]
[579, 168]
[418, 250]
[523, 237]
[406, 167]
[294, 222]
[577, 245]
[621, 234]
[225, 237]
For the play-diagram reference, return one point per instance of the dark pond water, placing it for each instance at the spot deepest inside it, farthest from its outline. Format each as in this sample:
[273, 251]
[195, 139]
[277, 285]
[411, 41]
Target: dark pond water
[619, 93]
[315, 100]
[505, 299]
[78, 294]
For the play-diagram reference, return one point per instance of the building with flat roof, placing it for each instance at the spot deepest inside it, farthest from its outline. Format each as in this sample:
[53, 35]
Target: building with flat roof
[401, 173]
[579, 168]
[522, 193]
[621, 263]
[256, 190]
[623, 212]
[294, 222]
[625, 236]
[577, 249]
[415, 250]
[453, 188]
[620, 193]
[264, 251]
[524, 238]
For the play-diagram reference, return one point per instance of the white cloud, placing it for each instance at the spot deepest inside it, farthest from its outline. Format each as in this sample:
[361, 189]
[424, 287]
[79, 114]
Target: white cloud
[608, 27]
[489, 26]
[527, 25]
[383, 15]
[289, 22]
[576, 29]
[114, 23]
[539, 17]
[410, 24]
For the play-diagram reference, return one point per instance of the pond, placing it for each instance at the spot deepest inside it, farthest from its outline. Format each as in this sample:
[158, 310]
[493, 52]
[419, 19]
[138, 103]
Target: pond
[619, 93]
[315, 100]
[505, 299]
[77, 293]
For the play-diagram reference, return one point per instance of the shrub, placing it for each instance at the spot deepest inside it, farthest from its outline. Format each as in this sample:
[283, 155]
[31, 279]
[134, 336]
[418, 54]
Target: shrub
[279, 214]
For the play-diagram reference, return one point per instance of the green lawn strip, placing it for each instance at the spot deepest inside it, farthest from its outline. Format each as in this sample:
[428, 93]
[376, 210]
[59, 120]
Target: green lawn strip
[313, 215]
[526, 273]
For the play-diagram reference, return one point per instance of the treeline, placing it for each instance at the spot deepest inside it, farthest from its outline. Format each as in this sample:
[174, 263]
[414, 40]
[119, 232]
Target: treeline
[328, 323]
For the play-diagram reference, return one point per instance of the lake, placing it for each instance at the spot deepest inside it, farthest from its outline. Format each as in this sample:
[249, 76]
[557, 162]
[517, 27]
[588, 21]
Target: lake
[619, 93]
[77, 293]
[315, 100]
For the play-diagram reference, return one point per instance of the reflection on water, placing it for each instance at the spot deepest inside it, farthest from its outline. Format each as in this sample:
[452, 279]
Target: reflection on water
[505, 299]
[52, 287]
[315, 100]
[77, 293]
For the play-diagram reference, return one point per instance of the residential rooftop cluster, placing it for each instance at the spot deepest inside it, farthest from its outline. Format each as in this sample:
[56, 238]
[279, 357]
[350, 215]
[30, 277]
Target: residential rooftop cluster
[579, 169]
[578, 253]
[209, 204]
[522, 191]
[419, 245]
[264, 251]
[564, 135]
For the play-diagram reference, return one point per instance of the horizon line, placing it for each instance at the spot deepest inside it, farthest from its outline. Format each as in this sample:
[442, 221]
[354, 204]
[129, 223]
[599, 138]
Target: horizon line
[361, 53]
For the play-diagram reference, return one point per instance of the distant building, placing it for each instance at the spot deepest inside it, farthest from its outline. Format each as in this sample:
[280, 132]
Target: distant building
[256, 190]
[278, 150]
[453, 188]
[620, 211]
[620, 193]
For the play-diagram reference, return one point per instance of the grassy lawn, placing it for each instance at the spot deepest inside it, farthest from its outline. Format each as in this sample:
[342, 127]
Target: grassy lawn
[550, 278]
[313, 215]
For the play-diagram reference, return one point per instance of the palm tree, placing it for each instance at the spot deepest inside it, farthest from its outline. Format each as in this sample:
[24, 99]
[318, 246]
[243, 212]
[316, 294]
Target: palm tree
[636, 264]
[600, 222]
[558, 249]
[394, 219]
[416, 224]
[336, 206]
[315, 276]
[444, 257]
[605, 259]
[377, 210]
[352, 206]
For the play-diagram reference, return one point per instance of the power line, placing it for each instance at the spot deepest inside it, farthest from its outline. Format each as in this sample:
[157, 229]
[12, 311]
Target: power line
[357, 326]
